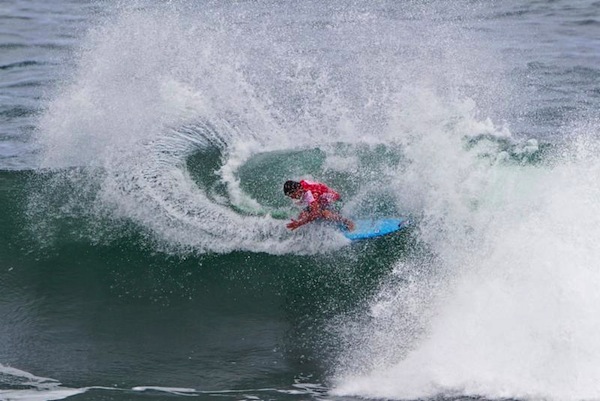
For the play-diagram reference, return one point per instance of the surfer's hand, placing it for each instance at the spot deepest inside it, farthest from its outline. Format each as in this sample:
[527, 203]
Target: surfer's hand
[293, 225]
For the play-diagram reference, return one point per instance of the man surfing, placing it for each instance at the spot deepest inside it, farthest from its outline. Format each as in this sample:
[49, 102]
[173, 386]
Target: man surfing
[317, 200]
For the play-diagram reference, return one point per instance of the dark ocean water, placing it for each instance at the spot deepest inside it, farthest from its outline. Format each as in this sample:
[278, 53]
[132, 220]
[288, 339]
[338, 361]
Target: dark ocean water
[144, 253]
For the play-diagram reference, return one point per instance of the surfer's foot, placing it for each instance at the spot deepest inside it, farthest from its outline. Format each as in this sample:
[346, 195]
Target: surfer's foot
[349, 225]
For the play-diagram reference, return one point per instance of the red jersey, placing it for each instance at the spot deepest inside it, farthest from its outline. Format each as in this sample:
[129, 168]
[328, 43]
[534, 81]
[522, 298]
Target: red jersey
[317, 192]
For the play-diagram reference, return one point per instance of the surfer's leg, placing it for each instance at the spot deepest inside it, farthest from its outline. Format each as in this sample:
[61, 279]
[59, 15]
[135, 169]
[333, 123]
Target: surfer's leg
[330, 215]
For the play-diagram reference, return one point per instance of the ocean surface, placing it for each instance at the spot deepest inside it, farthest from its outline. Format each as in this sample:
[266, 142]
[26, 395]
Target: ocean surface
[143, 248]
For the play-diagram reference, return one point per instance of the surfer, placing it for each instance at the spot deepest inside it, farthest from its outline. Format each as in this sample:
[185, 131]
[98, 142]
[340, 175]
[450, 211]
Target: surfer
[317, 200]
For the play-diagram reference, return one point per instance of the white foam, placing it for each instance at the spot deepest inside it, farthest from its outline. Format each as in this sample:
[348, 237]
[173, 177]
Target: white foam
[515, 309]
[32, 387]
[136, 112]
[153, 85]
[39, 395]
[173, 390]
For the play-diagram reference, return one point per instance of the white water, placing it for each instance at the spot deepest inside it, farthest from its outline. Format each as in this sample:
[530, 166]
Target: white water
[512, 310]
[30, 387]
[153, 85]
[149, 89]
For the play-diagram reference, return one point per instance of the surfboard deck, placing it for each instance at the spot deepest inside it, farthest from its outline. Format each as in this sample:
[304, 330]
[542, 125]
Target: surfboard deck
[374, 228]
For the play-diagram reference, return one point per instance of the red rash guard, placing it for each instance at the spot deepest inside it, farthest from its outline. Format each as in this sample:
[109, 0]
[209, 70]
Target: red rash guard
[317, 192]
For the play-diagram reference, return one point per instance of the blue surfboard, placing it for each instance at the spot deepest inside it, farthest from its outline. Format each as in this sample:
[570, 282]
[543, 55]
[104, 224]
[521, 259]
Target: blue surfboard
[374, 228]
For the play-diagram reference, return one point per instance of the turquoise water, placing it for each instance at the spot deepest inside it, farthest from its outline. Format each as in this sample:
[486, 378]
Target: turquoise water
[144, 253]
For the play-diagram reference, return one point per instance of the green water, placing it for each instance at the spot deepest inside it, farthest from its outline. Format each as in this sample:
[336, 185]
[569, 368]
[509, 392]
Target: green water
[118, 312]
